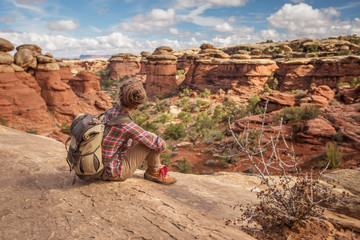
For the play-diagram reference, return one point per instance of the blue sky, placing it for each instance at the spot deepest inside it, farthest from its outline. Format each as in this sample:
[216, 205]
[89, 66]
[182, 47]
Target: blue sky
[68, 28]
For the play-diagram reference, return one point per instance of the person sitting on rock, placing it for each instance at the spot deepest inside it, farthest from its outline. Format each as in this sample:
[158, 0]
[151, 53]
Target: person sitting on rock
[119, 158]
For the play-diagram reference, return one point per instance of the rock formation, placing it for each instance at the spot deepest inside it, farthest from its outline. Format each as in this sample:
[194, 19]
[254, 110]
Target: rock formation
[212, 69]
[161, 71]
[87, 87]
[141, 75]
[300, 73]
[21, 104]
[124, 64]
[34, 92]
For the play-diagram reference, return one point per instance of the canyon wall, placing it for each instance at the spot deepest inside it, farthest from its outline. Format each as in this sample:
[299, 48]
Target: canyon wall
[39, 94]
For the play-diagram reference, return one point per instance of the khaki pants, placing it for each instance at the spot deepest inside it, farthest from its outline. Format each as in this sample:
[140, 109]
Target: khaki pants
[134, 158]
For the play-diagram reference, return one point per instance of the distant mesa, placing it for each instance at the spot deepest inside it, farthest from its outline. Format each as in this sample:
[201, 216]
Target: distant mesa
[87, 57]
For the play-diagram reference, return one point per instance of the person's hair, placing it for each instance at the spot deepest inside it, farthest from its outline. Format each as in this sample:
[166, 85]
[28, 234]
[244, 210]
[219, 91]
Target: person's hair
[131, 94]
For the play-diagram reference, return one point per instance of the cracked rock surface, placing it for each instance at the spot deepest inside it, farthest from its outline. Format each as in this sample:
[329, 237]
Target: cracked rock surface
[38, 201]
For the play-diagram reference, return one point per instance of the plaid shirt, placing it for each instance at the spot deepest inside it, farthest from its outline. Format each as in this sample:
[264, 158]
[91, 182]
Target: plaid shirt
[117, 142]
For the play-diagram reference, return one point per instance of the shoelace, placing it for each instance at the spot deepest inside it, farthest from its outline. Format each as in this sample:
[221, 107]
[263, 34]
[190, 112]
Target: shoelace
[163, 172]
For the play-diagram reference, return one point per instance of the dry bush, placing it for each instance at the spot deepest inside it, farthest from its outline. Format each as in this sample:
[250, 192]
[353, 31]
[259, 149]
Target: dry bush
[286, 200]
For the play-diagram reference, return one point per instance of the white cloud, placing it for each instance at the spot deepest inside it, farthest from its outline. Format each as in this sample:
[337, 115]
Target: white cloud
[225, 27]
[195, 17]
[63, 46]
[157, 18]
[173, 31]
[302, 20]
[219, 3]
[62, 25]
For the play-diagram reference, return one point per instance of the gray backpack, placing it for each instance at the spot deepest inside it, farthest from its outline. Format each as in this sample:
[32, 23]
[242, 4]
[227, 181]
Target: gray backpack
[84, 152]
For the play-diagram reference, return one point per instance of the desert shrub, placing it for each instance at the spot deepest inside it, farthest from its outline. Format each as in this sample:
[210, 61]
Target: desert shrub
[206, 93]
[213, 135]
[252, 106]
[186, 91]
[355, 82]
[140, 117]
[106, 83]
[203, 122]
[180, 73]
[32, 131]
[202, 103]
[342, 84]
[312, 84]
[233, 110]
[344, 52]
[3, 122]
[150, 126]
[333, 156]
[296, 114]
[182, 101]
[163, 118]
[312, 48]
[219, 114]
[64, 128]
[175, 131]
[103, 73]
[277, 51]
[184, 166]
[184, 116]
[284, 201]
[190, 106]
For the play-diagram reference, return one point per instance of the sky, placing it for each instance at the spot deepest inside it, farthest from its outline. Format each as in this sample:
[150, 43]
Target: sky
[69, 28]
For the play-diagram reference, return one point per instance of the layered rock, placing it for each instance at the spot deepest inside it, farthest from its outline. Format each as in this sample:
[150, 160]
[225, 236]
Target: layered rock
[141, 75]
[161, 71]
[185, 58]
[300, 73]
[212, 69]
[124, 64]
[21, 105]
[87, 87]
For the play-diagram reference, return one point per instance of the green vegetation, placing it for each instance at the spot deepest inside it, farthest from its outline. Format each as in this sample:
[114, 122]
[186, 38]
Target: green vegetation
[272, 84]
[163, 118]
[180, 73]
[32, 131]
[333, 156]
[296, 114]
[312, 84]
[206, 93]
[184, 166]
[3, 122]
[344, 52]
[352, 84]
[165, 158]
[184, 116]
[64, 128]
[312, 48]
[175, 131]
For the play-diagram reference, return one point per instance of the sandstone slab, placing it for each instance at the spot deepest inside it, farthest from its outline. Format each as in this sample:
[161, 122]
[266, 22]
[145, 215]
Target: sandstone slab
[43, 202]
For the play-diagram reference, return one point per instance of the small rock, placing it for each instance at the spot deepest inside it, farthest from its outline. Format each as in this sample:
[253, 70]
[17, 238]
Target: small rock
[249, 170]
[204, 172]
[210, 163]
[184, 144]
[173, 154]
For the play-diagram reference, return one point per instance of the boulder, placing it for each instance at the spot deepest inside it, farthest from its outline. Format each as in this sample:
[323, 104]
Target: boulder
[6, 58]
[240, 56]
[45, 59]
[345, 118]
[286, 48]
[319, 127]
[47, 67]
[256, 52]
[5, 45]
[31, 47]
[25, 58]
[324, 91]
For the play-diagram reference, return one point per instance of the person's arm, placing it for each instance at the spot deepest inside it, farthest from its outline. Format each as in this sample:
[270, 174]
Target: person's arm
[134, 131]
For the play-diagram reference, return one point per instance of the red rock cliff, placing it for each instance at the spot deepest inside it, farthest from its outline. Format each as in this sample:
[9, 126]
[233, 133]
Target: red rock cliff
[160, 71]
[124, 64]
